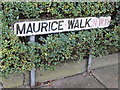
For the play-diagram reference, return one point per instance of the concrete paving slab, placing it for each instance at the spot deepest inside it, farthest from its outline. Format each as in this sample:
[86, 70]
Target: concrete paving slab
[65, 70]
[72, 68]
[103, 61]
[77, 81]
[108, 76]
[13, 80]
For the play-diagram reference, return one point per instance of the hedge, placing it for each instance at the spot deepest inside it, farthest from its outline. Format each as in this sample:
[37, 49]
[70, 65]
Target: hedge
[19, 55]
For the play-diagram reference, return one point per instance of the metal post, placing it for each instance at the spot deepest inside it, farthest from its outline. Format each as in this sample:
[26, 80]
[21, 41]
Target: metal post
[32, 72]
[89, 64]
[32, 81]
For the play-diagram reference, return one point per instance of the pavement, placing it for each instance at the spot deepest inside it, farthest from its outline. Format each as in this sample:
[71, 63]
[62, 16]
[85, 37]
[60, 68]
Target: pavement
[104, 77]
[104, 74]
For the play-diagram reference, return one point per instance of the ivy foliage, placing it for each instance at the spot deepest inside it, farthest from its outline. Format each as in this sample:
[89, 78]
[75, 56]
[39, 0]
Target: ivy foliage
[19, 55]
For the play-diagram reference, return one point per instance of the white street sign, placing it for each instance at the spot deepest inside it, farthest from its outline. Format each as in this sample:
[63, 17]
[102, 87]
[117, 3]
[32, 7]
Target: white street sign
[28, 28]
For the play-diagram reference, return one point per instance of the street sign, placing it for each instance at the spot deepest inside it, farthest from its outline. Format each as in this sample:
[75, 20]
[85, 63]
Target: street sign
[36, 27]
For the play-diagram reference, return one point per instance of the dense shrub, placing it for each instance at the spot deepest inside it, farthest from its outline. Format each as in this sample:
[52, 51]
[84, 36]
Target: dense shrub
[19, 55]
